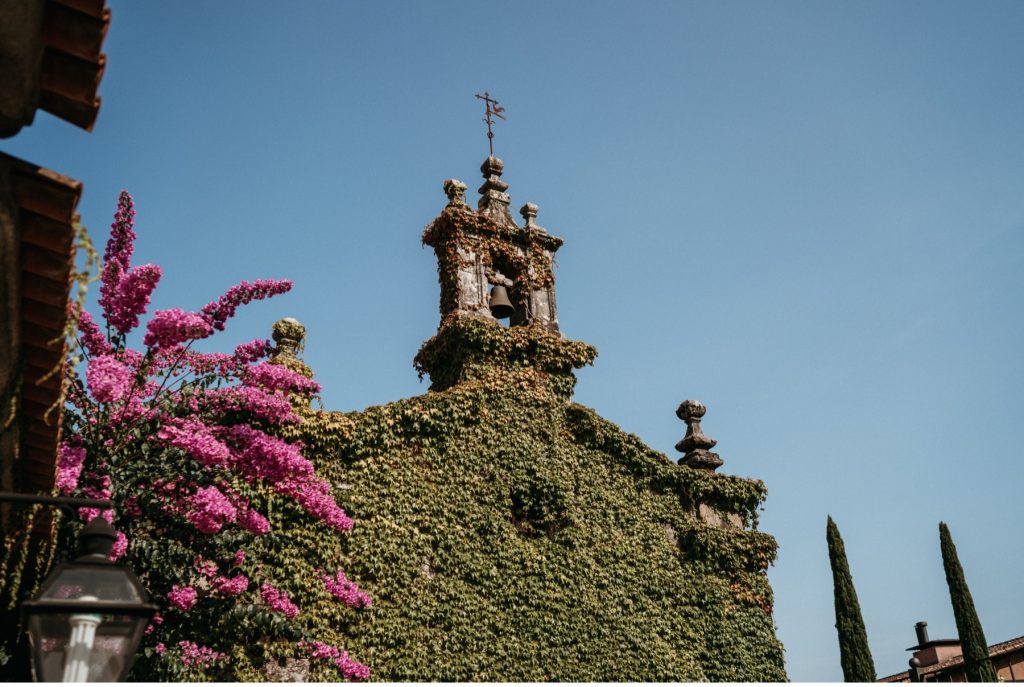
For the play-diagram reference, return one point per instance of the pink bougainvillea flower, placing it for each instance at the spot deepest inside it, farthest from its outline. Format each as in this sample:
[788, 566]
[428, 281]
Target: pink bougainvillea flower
[262, 405]
[168, 328]
[120, 546]
[210, 510]
[195, 437]
[252, 351]
[182, 598]
[351, 670]
[278, 378]
[130, 298]
[221, 310]
[198, 655]
[108, 379]
[69, 467]
[92, 339]
[253, 521]
[231, 586]
[343, 589]
[278, 600]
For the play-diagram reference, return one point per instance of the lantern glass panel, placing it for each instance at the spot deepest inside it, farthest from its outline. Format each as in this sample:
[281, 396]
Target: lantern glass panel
[104, 582]
[83, 646]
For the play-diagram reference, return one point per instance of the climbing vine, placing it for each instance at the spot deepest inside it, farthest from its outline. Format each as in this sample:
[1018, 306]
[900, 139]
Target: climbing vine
[519, 536]
[458, 232]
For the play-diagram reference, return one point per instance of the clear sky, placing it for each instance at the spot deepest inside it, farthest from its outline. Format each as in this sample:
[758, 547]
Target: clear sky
[807, 215]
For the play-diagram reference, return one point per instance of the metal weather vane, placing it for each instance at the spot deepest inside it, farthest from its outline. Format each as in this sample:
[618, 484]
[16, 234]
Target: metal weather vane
[495, 110]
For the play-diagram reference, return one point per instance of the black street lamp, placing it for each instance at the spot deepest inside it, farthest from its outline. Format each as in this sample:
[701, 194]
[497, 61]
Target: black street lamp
[87, 619]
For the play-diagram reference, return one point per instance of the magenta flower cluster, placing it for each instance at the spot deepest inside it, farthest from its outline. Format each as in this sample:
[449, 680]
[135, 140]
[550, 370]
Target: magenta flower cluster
[351, 670]
[221, 310]
[193, 654]
[340, 587]
[202, 421]
[182, 598]
[278, 600]
[170, 328]
[108, 379]
[125, 291]
[231, 586]
[69, 467]
[210, 510]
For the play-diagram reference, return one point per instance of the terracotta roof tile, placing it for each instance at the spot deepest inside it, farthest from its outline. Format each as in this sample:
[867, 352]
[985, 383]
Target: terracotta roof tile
[994, 651]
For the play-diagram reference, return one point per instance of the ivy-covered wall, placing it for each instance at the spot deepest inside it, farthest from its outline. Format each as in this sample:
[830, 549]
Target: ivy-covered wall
[506, 533]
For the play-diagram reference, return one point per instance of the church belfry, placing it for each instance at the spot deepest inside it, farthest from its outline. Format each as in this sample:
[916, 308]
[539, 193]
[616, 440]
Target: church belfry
[485, 255]
[492, 269]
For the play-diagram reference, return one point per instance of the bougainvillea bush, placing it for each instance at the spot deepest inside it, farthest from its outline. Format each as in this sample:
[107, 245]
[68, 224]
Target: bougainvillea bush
[188, 445]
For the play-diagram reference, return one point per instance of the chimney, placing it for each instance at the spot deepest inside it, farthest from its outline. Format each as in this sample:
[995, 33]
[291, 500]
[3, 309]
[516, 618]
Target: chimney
[921, 629]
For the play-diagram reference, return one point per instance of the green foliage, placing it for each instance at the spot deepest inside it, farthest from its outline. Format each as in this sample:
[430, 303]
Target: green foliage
[854, 653]
[972, 638]
[507, 534]
[469, 348]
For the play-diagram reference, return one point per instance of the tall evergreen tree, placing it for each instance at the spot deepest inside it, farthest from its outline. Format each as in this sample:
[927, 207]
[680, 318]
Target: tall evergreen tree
[854, 653]
[972, 638]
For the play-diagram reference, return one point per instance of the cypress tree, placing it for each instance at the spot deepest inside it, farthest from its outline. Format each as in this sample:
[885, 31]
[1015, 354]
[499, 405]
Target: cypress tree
[972, 638]
[854, 653]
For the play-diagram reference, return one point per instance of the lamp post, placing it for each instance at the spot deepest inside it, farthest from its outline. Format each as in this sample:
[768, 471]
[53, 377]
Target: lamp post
[86, 622]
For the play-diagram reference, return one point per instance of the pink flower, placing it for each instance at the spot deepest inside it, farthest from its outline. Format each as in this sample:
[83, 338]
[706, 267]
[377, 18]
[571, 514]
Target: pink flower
[259, 456]
[108, 379]
[159, 648]
[182, 598]
[231, 586]
[197, 439]
[204, 567]
[253, 521]
[120, 546]
[239, 558]
[219, 311]
[263, 405]
[122, 235]
[93, 341]
[130, 298]
[252, 351]
[351, 670]
[168, 328]
[194, 654]
[69, 467]
[210, 510]
[278, 600]
[346, 591]
[278, 378]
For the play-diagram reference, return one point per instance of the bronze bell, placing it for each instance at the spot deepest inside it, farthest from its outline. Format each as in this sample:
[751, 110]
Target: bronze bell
[500, 305]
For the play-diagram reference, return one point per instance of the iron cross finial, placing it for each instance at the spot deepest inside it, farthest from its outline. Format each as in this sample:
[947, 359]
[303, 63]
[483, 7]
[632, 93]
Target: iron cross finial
[493, 109]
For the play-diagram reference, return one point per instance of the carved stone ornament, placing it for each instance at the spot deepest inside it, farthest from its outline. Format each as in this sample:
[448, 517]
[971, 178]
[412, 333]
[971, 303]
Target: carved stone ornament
[456, 192]
[529, 213]
[494, 200]
[290, 336]
[696, 445]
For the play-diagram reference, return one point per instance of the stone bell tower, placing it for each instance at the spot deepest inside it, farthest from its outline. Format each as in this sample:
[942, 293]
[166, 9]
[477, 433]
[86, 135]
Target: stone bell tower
[490, 267]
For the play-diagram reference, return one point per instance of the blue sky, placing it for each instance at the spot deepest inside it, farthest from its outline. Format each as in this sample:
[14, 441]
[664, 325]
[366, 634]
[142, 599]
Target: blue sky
[808, 215]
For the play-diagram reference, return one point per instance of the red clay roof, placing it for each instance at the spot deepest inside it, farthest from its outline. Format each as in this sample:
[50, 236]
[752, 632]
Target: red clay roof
[994, 651]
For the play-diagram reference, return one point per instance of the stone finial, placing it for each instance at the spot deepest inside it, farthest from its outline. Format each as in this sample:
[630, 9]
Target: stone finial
[529, 213]
[696, 445]
[494, 201]
[290, 336]
[456, 192]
